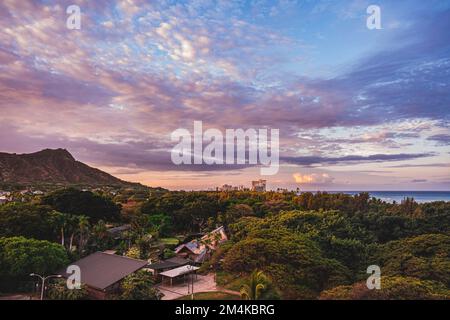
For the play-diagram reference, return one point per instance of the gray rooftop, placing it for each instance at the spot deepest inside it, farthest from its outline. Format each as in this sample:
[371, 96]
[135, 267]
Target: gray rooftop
[101, 270]
[168, 264]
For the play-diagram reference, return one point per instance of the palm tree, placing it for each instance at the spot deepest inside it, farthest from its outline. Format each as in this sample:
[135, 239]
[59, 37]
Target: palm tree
[83, 226]
[72, 225]
[61, 220]
[100, 234]
[254, 289]
[100, 230]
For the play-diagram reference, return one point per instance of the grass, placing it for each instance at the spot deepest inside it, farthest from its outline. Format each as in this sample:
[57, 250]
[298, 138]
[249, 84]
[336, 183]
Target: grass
[217, 295]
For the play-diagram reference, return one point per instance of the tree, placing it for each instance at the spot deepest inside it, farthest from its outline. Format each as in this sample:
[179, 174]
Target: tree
[100, 238]
[234, 212]
[161, 224]
[72, 225]
[75, 226]
[27, 220]
[61, 221]
[143, 244]
[134, 253]
[392, 288]
[139, 286]
[83, 232]
[259, 287]
[291, 260]
[77, 202]
[424, 257]
[168, 253]
[20, 256]
[350, 252]
[58, 291]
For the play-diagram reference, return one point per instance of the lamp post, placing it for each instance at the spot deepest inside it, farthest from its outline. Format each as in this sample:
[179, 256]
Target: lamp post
[191, 268]
[43, 279]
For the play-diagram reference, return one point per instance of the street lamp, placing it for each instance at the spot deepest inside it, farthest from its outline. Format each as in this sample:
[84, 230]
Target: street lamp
[43, 279]
[191, 268]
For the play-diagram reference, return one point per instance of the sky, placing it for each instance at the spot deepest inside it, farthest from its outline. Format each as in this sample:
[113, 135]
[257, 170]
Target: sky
[356, 108]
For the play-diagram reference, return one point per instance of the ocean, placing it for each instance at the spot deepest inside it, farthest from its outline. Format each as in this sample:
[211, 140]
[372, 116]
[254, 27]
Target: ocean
[398, 196]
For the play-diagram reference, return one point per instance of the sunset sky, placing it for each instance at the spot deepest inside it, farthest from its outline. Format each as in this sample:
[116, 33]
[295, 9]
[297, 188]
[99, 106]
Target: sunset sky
[357, 109]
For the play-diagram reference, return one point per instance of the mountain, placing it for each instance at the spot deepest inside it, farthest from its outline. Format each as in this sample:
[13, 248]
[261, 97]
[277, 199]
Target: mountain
[52, 167]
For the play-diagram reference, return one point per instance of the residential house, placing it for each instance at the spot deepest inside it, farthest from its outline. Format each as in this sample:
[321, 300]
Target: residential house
[199, 250]
[118, 232]
[102, 273]
[3, 199]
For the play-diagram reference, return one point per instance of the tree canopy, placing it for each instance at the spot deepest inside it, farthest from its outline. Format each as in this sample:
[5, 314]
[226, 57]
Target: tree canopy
[77, 202]
[27, 220]
[19, 257]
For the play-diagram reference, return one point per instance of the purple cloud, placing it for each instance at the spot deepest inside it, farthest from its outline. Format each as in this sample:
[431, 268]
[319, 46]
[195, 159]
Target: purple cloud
[441, 139]
[311, 160]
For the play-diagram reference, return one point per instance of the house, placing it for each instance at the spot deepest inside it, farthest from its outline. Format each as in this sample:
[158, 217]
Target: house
[3, 199]
[193, 250]
[199, 251]
[102, 273]
[215, 237]
[118, 232]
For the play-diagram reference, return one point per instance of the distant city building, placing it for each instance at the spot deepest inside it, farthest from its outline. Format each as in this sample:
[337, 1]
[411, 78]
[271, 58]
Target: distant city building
[259, 185]
[228, 187]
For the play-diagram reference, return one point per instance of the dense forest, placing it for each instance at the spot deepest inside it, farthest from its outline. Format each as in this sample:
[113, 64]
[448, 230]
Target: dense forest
[311, 246]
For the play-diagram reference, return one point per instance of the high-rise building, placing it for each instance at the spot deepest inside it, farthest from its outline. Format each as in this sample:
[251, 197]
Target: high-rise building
[259, 185]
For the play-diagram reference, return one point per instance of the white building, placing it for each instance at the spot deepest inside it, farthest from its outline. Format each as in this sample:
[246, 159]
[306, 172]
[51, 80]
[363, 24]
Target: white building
[259, 185]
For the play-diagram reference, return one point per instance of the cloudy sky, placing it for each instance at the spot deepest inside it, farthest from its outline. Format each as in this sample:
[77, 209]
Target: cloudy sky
[357, 109]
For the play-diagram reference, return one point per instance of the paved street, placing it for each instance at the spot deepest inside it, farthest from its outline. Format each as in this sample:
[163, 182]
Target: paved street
[16, 297]
[203, 283]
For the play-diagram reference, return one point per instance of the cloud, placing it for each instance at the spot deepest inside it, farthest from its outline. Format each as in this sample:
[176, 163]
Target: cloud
[113, 91]
[127, 158]
[313, 178]
[418, 165]
[441, 139]
[310, 160]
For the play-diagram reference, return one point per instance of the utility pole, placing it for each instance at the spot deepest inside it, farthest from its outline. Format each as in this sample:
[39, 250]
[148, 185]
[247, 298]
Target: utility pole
[43, 279]
[191, 268]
